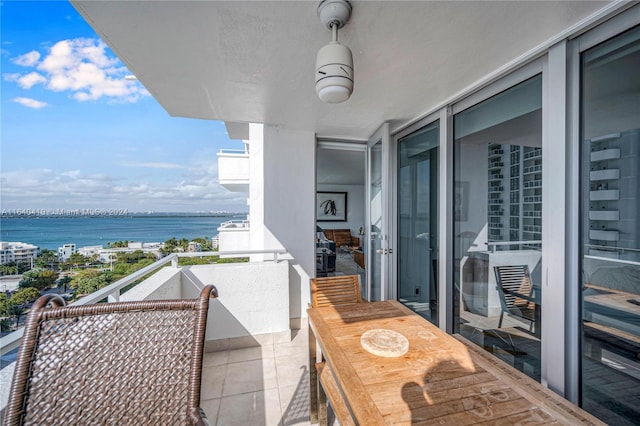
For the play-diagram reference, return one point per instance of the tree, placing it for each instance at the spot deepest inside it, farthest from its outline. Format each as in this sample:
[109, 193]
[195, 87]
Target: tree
[89, 280]
[47, 259]
[6, 305]
[64, 282]
[39, 278]
[205, 243]
[77, 259]
[25, 295]
[118, 244]
[14, 306]
[9, 268]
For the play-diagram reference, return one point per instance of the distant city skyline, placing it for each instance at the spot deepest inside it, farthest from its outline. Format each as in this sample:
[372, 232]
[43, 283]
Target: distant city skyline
[77, 135]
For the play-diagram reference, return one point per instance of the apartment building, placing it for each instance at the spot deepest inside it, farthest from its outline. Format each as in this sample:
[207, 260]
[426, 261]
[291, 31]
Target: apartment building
[17, 252]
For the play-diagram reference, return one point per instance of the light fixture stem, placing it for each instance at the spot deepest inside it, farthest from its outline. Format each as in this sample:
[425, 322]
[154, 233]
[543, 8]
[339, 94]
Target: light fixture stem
[334, 32]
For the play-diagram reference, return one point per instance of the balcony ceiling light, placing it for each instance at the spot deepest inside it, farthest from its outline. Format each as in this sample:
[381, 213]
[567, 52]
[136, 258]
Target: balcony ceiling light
[334, 63]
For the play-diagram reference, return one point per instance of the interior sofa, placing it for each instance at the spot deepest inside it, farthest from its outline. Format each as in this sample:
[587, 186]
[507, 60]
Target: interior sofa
[342, 237]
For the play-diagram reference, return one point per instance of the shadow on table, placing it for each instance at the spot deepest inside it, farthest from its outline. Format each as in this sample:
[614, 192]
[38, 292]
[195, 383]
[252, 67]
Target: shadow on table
[454, 394]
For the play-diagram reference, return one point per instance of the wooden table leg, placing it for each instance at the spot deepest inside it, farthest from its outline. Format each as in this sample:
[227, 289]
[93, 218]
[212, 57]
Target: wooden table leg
[313, 380]
[322, 403]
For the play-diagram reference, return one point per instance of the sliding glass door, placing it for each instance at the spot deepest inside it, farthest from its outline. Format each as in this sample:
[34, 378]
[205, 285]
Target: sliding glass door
[497, 216]
[610, 249]
[417, 236]
[377, 245]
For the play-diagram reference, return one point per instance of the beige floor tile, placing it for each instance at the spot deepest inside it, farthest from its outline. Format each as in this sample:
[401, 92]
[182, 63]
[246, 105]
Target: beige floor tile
[261, 408]
[211, 407]
[288, 350]
[291, 370]
[248, 354]
[215, 358]
[294, 402]
[212, 381]
[250, 376]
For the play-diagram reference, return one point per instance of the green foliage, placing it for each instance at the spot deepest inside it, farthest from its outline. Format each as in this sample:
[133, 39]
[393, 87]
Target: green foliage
[77, 259]
[90, 280]
[173, 245]
[39, 278]
[135, 257]
[14, 268]
[188, 261]
[118, 244]
[47, 259]
[25, 295]
[5, 325]
[9, 269]
[233, 260]
[6, 305]
[64, 282]
[205, 243]
[206, 260]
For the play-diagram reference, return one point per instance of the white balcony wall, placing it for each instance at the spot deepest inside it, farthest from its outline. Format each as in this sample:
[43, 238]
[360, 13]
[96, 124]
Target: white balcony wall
[234, 238]
[289, 209]
[233, 171]
[282, 203]
[252, 306]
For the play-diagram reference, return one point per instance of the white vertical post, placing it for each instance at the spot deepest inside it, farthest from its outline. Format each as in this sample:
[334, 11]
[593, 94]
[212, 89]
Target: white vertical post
[554, 166]
[445, 222]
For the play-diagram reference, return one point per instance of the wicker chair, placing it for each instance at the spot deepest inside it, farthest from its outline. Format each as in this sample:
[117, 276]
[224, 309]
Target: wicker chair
[110, 363]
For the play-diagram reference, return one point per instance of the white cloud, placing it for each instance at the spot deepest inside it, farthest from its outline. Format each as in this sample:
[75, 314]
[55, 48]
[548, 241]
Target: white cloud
[75, 189]
[11, 77]
[30, 103]
[157, 165]
[28, 59]
[30, 80]
[81, 67]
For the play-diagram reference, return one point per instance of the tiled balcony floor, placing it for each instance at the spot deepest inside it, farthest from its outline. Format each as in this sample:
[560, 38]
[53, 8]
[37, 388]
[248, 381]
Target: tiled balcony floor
[267, 385]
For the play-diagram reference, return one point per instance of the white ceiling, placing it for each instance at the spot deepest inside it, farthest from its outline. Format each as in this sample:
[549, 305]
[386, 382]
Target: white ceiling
[247, 61]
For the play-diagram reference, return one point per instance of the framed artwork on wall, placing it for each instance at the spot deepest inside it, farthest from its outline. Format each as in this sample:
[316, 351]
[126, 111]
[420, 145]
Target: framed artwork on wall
[331, 206]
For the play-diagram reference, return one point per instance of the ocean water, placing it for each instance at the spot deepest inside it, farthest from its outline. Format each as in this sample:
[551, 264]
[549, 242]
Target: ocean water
[53, 232]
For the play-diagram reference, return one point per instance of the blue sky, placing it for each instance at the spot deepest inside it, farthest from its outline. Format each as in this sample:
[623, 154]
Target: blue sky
[75, 134]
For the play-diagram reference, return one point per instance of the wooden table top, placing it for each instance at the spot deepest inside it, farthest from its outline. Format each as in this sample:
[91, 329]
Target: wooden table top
[441, 379]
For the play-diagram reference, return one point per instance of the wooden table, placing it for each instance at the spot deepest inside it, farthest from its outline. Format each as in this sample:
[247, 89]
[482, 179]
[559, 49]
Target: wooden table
[442, 379]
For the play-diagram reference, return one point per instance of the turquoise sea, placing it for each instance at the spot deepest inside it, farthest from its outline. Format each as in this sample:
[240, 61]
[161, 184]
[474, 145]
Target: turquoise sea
[51, 232]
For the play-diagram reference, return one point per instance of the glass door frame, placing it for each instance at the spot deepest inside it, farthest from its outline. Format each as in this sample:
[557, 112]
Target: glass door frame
[552, 66]
[444, 205]
[611, 28]
[381, 136]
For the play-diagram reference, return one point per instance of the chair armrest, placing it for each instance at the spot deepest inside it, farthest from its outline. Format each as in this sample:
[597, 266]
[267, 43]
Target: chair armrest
[198, 417]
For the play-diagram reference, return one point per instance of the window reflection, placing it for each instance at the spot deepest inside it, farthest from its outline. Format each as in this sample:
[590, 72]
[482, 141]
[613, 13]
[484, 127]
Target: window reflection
[610, 182]
[498, 224]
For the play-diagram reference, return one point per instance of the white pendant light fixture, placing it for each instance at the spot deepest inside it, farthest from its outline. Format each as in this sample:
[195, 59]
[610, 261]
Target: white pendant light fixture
[334, 63]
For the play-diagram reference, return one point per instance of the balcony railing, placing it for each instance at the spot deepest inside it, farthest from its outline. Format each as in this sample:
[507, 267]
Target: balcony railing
[112, 292]
[233, 224]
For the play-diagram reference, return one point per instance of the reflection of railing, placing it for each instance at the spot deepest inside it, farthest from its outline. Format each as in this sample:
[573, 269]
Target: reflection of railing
[233, 151]
[493, 245]
[609, 248]
[234, 224]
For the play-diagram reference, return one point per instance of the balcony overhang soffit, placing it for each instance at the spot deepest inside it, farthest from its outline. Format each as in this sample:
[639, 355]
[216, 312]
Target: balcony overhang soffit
[253, 61]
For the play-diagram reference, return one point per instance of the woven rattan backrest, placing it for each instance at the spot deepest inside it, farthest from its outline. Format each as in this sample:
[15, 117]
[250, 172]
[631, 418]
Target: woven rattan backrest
[110, 363]
[334, 291]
